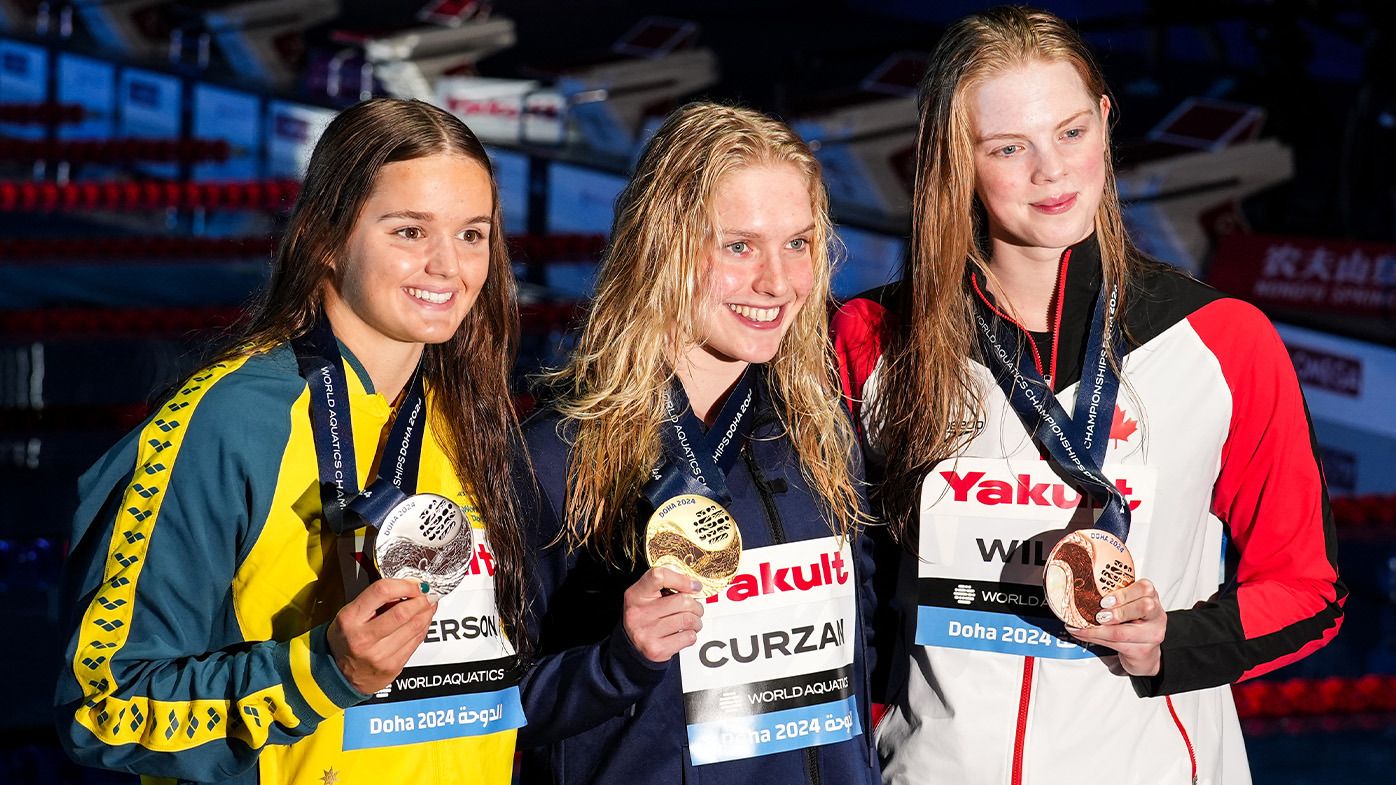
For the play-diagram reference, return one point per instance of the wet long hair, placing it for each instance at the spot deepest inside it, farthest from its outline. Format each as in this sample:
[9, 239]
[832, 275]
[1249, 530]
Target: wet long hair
[649, 296]
[927, 386]
[472, 414]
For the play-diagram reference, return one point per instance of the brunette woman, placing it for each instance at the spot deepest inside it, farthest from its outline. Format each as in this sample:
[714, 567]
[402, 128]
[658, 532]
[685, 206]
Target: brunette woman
[227, 624]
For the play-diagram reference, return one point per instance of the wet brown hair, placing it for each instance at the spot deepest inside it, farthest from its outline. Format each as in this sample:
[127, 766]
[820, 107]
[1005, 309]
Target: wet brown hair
[928, 387]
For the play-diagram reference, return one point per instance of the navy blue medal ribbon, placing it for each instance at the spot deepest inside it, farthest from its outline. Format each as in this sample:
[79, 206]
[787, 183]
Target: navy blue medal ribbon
[697, 462]
[1076, 444]
[345, 509]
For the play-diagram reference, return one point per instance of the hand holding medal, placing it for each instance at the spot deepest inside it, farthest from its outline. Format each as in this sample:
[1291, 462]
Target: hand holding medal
[1132, 622]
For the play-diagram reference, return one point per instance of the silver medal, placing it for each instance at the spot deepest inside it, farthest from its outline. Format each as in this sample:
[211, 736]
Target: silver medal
[425, 538]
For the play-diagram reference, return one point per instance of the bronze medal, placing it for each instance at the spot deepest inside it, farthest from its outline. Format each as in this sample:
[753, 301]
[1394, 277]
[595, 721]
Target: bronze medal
[1085, 566]
[694, 535]
[425, 538]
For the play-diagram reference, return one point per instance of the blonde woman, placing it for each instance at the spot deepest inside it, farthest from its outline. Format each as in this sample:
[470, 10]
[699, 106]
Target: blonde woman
[704, 369]
[1033, 375]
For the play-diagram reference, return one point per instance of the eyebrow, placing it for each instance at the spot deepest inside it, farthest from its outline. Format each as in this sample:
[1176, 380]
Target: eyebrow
[412, 215]
[417, 215]
[1015, 135]
[742, 233]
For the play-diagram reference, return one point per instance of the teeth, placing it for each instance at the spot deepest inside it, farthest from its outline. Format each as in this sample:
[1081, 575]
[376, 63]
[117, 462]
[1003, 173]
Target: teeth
[755, 314]
[431, 297]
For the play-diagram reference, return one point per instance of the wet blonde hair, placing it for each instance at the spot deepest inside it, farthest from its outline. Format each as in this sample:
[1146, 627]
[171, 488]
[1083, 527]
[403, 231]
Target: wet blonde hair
[645, 314]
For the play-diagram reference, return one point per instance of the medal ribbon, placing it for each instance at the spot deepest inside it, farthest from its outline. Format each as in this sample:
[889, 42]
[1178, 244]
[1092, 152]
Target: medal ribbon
[693, 462]
[1076, 444]
[322, 367]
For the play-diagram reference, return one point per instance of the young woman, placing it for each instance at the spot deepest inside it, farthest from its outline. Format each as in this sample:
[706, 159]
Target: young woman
[986, 379]
[225, 626]
[704, 369]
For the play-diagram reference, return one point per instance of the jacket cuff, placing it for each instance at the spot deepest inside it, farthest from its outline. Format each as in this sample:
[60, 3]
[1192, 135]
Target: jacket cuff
[634, 666]
[1149, 686]
[312, 677]
[1187, 657]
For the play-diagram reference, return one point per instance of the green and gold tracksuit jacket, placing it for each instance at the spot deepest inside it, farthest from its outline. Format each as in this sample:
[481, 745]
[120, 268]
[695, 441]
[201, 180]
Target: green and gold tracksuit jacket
[200, 586]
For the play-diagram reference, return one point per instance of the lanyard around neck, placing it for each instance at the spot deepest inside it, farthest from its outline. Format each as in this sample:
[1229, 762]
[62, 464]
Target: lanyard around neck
[697, 462]
[1076, 443]
[345, 509]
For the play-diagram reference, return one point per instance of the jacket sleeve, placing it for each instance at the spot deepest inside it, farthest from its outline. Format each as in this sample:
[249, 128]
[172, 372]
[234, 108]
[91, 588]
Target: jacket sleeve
[569, 690]
[156, 678]
[1286, 599]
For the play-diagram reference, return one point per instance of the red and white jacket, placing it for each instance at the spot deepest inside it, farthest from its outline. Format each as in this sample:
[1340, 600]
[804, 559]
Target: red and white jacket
[1211, 443]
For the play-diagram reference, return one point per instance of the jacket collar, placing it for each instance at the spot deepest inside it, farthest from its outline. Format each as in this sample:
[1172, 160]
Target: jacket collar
[1078, 283]
[357, 368]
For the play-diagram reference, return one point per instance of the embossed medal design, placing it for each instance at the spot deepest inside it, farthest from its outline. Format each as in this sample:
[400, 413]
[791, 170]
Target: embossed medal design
[695, 536]
[425, 538]
[1083, 567]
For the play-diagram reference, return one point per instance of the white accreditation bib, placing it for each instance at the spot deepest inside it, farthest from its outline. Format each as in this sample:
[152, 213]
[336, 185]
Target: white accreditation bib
[987, 526]
[461, 681]
[773, 666]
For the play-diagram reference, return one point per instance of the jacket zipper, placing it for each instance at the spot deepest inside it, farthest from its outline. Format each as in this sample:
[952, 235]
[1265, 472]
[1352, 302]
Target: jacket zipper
[1183, 731]
[778, 537]
[1049, 374]
[1059, 297]
[1048, 369]
[1021, 735]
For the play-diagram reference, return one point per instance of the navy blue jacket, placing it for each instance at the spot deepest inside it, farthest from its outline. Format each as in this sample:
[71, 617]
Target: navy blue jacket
[598, 711]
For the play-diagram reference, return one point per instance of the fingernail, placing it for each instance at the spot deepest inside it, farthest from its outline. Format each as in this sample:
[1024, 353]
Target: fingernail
[1072, 630]
[1103, 616]
[697, 586]
[426, 587]
[1108, 601]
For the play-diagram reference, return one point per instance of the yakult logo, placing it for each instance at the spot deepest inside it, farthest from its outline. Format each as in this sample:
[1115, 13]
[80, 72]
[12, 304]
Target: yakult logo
[829, 570]
[482, 559]
[1021, 490]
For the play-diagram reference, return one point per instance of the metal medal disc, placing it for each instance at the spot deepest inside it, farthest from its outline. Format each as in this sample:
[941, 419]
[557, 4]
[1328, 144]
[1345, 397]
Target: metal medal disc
[425, 538]
[695, 536]
[1083, 567]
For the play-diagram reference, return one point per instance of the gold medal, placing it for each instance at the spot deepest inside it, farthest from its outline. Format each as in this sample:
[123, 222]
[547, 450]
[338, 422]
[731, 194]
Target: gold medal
[425, 538]
[1085, 566]
[694, 535]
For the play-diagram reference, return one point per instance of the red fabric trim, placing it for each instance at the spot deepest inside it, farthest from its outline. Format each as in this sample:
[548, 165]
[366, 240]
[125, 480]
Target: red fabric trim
[1036, 358]
[857, 332]
[1059, 297]
[1020, 738]
[1269, 491]
[1192, 755]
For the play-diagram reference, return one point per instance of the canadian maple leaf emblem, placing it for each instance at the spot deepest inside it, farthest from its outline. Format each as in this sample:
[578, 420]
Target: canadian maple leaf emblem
[1122, 427]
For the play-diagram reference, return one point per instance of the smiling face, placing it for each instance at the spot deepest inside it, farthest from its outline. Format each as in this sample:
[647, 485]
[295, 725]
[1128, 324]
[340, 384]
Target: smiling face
[759, 265]
[1039, 155]
[417, 257]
